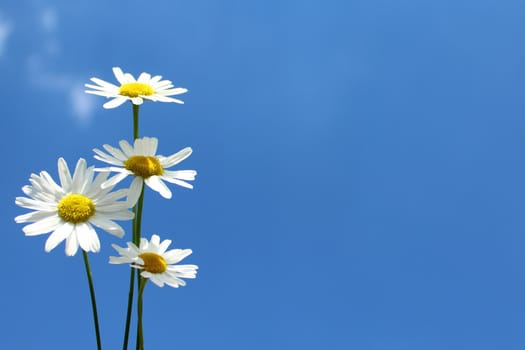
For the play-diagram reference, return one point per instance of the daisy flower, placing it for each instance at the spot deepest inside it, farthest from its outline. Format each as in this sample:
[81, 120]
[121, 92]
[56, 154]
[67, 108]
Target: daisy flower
[145, 87]
[73, 208]
[156, 263]
[140, 161]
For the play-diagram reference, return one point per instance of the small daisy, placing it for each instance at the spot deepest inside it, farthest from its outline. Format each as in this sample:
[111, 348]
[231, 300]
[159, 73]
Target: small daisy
[157, 264]
[134, 90]
[71, 210]
[141, 162]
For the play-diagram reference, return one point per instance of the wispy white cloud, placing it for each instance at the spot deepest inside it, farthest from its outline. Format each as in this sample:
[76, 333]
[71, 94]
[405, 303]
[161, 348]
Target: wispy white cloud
[70, 86]
[42, 76]
[83, 105]
[5, 31]
[49, 20]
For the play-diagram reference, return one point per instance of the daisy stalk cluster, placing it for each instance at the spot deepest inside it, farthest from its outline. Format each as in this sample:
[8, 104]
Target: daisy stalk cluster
[75, 207]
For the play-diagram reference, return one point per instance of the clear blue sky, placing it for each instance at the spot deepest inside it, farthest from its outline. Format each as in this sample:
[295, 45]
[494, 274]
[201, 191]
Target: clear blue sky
[361, 171]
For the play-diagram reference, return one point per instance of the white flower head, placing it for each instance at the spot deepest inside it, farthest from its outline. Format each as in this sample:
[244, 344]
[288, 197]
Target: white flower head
[145, 87]
[141, 162]
[156, 263]
[72, 208]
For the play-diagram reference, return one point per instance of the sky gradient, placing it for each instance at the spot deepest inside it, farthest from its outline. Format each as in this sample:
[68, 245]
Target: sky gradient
[360, 171]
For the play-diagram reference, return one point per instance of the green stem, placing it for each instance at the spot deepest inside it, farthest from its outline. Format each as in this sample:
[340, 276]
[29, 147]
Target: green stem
[135, 121]
[137, 221]
[130, 306]
[140, 333]
[93, 300]
[135, 235]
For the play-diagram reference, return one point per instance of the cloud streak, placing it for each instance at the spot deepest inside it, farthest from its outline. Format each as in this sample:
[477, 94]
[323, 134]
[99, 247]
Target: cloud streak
[42, 76]
[5, 31]
[49, 20]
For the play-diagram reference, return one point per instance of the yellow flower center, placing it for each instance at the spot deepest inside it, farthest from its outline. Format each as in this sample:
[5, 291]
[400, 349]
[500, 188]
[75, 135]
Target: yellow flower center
[153, 263]
[136, 90]
[76, 208]
[144, 166]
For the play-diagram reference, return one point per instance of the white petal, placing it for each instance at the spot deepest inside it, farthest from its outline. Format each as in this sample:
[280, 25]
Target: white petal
[114, 169]
[162, 85]
[176, 158]
[181, 174]
[162, 98]
[114, 103]
[156, 184]
[155, 79]
[88, 180]
[42, 226]
[173, 281]
[64, 175]
[107, 225]
[155, 278]
[122, 250]
[58, 236]
[137, 100]
[120, 214]
[119, 260]
[163, 246]
[150, 146]
[155, 239]
[176, 91]
[144, 77]
[144, 243]
[129, 78]
[126, 148]
[101, 93]
[79, 176]
[34, 216]
[184, 271]
[138, 147]
[106, 158]
[177, 182]
[87, 238]
[35, 204]
[48, 184]
[115, 152]
[109, 201]
[175, 255]
[102, 84]
[119, 75]
[95, 190]
[134, 191]
[114, 180]
[72, 243]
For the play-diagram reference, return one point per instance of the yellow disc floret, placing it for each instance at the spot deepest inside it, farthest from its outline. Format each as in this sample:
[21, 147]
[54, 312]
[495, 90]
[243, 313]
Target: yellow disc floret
[153, 262]
[136, 90]
[76, 208]
[144, 166]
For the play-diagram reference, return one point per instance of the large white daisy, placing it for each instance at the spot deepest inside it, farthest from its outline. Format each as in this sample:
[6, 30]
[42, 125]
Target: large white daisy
[73, 208]
[156, 263]
[141, 161]
[145, 87]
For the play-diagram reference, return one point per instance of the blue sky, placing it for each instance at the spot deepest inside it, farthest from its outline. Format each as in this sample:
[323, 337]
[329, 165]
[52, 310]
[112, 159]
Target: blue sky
[360, 171]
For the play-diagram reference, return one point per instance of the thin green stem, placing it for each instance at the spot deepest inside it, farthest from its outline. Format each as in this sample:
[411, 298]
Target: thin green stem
[93, 299]
[135, 235]
[137, 221]
[140, 332]
[130, 307]
[135, 121]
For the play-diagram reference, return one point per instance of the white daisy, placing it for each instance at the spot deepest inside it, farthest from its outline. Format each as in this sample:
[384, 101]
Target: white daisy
[157, 264]
[145, 87]
[140, 161]
[71, 209]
